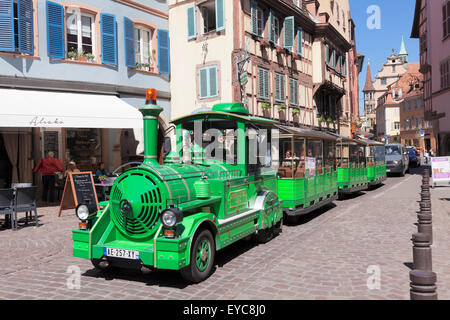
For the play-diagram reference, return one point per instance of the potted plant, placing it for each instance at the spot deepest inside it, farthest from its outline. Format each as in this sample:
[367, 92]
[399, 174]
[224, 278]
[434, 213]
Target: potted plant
[90, 57]
[320, 119]
[279, 49]
[329, 119]
[281, 107]
[72, 55]
[81, 56]
[266, 106]
[295, 112]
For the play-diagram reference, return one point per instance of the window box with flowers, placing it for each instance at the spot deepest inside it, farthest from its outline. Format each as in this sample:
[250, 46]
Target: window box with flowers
[81, 56]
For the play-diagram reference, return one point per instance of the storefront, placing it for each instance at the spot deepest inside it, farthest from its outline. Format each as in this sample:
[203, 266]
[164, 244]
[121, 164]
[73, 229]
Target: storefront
[84, 128]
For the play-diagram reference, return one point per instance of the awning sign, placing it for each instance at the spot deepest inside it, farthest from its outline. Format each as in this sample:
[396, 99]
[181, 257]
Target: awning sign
[440, 168]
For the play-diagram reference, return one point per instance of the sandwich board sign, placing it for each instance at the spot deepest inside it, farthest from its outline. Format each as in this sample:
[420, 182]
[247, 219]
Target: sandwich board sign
[440, 170]
[78, 189]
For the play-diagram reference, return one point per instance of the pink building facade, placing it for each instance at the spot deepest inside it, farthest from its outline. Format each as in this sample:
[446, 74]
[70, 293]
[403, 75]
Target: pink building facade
[432, 26]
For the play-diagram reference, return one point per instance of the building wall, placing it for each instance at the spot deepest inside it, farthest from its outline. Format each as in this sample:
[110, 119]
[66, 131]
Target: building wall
[42, 66]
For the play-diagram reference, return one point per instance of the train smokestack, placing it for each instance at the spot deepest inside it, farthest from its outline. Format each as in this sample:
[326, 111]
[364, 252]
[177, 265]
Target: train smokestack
[150, 113]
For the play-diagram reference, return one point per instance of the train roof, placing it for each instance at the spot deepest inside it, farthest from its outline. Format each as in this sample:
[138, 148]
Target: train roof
[371, 142]
[299, 132]
[229, 111]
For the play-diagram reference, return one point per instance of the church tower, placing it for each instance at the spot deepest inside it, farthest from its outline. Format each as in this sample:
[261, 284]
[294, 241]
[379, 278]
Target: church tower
[369, 100]
[403, 54]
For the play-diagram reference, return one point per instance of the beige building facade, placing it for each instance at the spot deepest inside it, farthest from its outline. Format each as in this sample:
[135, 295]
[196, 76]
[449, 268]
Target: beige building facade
[285, 60]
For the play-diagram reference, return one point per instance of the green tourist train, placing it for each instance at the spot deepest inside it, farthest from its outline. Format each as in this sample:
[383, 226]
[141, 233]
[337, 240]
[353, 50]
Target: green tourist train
[232, 176]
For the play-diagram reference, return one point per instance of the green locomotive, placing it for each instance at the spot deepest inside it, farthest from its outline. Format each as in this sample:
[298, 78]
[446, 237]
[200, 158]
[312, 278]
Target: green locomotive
[177, 215]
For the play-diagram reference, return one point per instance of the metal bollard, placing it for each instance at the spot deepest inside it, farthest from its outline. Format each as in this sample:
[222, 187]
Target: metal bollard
[425, 225]
[421, 252]
[423, 285]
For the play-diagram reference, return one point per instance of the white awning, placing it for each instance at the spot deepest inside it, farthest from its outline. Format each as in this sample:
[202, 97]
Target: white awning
[29, 108]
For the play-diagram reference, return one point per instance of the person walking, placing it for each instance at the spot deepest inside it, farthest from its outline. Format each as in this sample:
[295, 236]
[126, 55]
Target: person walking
[49, 167]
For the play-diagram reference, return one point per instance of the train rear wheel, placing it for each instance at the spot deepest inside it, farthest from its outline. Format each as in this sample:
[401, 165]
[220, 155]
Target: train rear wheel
[202, 258]
[264, 235]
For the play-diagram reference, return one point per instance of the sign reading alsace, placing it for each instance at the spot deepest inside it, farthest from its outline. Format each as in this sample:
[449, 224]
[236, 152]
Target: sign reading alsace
[440, 168]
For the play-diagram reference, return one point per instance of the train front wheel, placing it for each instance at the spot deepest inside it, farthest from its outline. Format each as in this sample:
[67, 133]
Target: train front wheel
[202, 258]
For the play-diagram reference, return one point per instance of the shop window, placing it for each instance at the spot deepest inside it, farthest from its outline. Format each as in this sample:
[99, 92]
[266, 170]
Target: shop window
[143, 48]
[84, 146]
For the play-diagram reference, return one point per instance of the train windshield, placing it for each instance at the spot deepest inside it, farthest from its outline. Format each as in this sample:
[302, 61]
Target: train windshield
[211, 140]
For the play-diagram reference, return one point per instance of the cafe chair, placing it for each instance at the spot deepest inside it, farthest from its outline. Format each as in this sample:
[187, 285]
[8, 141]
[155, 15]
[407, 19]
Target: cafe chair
[25, 201]
[7, 206]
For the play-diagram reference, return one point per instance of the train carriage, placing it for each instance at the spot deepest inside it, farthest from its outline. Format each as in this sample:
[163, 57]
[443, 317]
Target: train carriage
[307, 176]
[351, 165]
[177, 215]
[375, 160]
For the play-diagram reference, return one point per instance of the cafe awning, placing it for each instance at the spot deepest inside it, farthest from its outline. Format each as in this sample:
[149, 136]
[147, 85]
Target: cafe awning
[32, 108]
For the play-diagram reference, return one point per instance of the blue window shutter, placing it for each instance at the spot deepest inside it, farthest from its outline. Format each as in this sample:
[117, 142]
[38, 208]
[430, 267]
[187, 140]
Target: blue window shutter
[289, 32]
[55, 30]
[129, 43]
[109, 36]
[213, 85]
[7, 25]
[192, 30]
[163, 52]
[299, 41]
[327, 55]
[203, 82]
[26, 35]
[220, 15]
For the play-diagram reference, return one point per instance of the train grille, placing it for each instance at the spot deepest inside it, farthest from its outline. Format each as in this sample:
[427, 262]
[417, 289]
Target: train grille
[145, 198]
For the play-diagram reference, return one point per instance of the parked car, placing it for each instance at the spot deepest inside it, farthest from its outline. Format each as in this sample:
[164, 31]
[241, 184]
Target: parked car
[397, 160]
[414, 160]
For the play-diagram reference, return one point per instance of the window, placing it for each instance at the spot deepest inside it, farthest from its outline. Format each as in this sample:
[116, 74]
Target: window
[263, 84]
[446, 19]
[417, 123]
[208, 82]
[383, 81]
[445, 74]
[260, 22]
[393, 68]
[404, 106]
[16, 26]
[416, 106]
[79, 35]
[143, 48]
[409, 105]
[396, 125]
[209, 17]
[276, 29]
[212, 14]
[280, 95]
[423, 123]
[293, 92]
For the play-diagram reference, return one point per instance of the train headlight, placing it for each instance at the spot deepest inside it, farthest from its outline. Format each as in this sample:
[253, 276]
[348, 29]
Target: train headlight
[83, 211]
[171, 217]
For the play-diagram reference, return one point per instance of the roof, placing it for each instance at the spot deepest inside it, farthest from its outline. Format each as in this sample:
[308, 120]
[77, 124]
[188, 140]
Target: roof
[223, 115]
[403, 51]
[299, 132]
[369, 84]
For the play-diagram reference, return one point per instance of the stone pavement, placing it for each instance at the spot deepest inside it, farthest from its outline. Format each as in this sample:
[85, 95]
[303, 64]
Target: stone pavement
[326, 256]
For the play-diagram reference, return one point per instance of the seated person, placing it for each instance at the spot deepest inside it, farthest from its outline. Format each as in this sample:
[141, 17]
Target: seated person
[72, 167]
[101, 171]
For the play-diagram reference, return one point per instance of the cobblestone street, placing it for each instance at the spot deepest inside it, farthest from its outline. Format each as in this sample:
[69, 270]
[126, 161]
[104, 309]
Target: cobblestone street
[325, 256]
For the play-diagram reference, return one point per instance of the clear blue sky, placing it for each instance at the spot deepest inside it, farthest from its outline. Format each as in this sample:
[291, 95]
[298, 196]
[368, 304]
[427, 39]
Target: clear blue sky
[396, 19]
